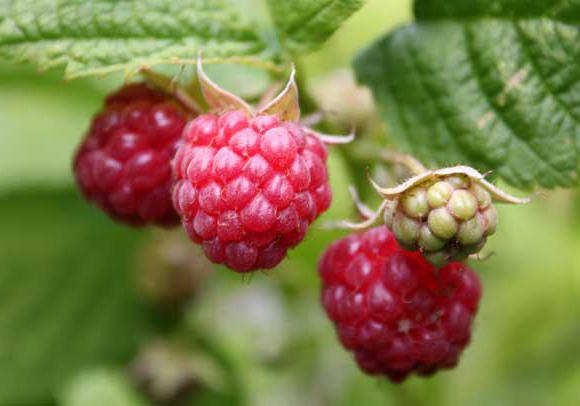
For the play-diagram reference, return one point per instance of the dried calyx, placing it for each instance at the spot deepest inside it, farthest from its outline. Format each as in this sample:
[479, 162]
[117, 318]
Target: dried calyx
[447, 214]
[285, 106]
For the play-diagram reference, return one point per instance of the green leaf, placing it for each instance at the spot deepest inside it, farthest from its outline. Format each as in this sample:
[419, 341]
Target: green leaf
[103, 36]
[304, 25]
[494, 84]
[98, 387]
[67, 300]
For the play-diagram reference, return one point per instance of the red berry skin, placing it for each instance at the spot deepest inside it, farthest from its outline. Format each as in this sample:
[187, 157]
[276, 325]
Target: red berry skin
[247, 189]
[395, 311]
[123, 164]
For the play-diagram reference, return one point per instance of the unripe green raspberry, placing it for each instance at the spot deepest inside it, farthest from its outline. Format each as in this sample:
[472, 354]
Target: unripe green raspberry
[446, 213]
[483, 197]
[490, 216]
[471, 231]
[438, 195]
[463, 204]
[429, 241]
[406, 229]
[414, 203]
[442, 223]
[458, 181]
[447, 218]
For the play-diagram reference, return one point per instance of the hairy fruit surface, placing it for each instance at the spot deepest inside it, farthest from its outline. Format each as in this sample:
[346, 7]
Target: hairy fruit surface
[123, 165]
[247, 188]
[393, 309]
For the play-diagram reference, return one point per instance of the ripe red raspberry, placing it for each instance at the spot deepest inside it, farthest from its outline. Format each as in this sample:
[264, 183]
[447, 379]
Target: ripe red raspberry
[124, 163]
[393, 309]
[248, 188]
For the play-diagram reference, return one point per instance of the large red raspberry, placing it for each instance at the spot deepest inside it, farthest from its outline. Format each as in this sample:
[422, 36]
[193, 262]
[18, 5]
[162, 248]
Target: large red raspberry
[248, 188]
[124, 163]
[393, 309]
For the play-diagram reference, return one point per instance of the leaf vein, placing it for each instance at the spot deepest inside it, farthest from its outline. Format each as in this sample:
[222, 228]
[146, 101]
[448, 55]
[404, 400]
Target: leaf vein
[499, 112]
[542, 77]
[308, 19]
[11, 15]
[435, 101]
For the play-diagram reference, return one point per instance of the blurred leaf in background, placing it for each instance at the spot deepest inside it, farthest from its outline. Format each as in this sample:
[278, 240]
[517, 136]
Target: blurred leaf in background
[305, 25]
[41, 121]
[98, 387]
[373, 19]
[67, 298]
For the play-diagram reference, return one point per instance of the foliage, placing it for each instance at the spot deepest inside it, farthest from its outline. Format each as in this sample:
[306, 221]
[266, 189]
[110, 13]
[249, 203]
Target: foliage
[493, 84]
[305, 24]
[103, 36]
[100, 387]
[65, 305]
[33, 152]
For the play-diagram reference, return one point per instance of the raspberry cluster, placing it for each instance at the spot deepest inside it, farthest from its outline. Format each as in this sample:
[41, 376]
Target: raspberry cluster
[447, 219]
[246, 185]
[123, 163]
[247, 189]
[393, 309]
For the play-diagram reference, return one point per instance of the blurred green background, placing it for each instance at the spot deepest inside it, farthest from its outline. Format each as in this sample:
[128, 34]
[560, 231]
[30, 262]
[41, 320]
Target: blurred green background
[78, 326]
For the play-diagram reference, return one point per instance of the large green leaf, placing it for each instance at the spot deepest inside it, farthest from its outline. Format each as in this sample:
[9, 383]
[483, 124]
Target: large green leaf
[66, 294]
[305, 24]
[495, 84]
[102, 36]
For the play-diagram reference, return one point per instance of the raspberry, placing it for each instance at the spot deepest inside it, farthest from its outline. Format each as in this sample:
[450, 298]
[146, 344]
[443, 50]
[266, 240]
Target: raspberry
[447, 218]
[447, 214]
[247, 189]
[393, 309]
[123, 164]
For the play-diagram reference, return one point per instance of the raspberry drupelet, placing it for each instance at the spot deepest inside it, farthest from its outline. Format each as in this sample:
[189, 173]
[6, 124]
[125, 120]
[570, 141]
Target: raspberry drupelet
[123, 165]
[247, 188]
[395, 311]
